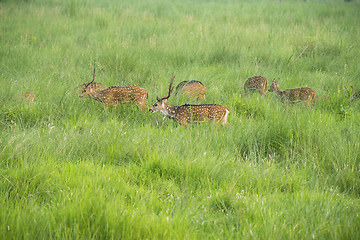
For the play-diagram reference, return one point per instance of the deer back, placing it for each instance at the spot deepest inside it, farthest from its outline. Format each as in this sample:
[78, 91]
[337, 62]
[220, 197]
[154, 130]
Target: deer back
[199, 113]
[193, 89]
[256, 84]
[129, 94]
[298, 94]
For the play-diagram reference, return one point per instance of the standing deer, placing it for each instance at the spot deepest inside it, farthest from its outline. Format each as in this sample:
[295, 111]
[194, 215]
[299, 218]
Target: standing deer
[256, 84]
[193, 89]
[30, 97]
[114, 95]
[187, 113]
[293, 95]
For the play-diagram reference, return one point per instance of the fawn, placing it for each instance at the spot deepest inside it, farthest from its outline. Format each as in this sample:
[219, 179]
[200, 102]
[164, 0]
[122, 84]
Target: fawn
[193, 89]
[30, 97]
[187, 113]
[256, 84]
[114, 95]
[293, 95]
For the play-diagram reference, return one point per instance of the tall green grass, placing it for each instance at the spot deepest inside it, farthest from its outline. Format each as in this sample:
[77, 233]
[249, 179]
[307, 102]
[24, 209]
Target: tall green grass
[73, 168]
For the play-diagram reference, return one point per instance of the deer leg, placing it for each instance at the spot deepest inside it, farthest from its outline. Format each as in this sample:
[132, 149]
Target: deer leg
[263, 90]
[245, 91]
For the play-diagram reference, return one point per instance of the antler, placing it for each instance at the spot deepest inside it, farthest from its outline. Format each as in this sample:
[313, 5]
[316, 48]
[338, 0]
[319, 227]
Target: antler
[171, 88]
[86, 85]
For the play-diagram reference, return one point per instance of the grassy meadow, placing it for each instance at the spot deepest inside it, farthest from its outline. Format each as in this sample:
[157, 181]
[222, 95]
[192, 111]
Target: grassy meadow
[71, 168]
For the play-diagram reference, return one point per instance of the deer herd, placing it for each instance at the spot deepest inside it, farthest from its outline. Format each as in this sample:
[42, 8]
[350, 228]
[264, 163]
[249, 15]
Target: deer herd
[192, 91]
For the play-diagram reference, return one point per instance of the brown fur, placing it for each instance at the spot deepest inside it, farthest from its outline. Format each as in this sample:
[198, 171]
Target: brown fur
[256, 84]
[194, 90]
[185, 114]
[115, 95]
[30, 97]
[293, 95]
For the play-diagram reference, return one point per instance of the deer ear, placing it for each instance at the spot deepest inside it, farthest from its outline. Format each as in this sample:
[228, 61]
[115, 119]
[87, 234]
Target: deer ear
[164, 100]
[157, 98]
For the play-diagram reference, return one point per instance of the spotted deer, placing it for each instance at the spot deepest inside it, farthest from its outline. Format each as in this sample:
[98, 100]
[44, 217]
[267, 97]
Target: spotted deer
[30, 97]
[194, 90]
[293, 95]
[187, 113]
[353, 96]
[256, 84]
[115, 95]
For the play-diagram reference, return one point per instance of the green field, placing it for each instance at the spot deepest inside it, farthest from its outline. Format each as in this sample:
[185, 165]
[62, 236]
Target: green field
[72, 168]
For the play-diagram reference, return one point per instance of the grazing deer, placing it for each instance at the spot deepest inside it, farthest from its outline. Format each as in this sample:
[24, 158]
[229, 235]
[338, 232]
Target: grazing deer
[114, 95]
[293, 95]
[256, 84]
[193, 89]
[30, 97]
[184, 114]
[353, 96]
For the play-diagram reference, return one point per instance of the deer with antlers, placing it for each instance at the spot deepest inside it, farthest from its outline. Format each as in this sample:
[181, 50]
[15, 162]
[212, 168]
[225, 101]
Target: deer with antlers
[115, 95]
[256, 84]
[293, 95]
[194, 90]
[187, 113]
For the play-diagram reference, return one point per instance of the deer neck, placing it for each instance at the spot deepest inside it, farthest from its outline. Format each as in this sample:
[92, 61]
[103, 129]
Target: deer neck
[278, 93]
[169, 111]
[95, 94]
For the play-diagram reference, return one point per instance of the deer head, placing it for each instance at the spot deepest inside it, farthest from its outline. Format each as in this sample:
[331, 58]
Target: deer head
[161, 102]
[274, 86]
[87, 89]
